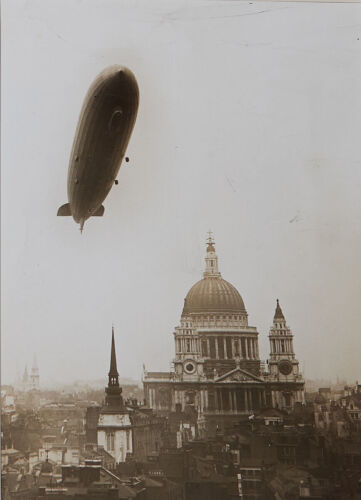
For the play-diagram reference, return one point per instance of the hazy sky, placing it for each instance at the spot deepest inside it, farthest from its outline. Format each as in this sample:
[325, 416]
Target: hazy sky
[249, 124]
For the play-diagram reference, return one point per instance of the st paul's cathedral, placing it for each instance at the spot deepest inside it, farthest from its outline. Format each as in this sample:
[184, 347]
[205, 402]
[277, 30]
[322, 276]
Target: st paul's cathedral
[217, 373]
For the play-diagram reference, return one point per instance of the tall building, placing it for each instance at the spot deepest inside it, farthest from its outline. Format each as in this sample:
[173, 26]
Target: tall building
[25, 380]
[284, 379]
[217, 369]
[114, 427]
[34, 380]
[123, 429]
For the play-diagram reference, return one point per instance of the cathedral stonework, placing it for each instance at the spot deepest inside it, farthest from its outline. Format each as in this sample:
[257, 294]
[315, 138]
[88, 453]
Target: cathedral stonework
[217, 369]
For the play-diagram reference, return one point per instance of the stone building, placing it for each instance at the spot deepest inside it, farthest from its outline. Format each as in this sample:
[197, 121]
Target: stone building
[123, 430]
[217, 369]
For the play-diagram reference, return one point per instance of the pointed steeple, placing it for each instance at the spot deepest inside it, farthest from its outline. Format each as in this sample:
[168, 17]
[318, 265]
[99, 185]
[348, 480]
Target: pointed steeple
[211, 270]
[113, 372]
[278, 312]
[25, 376]
[35, 363]
[113, 392]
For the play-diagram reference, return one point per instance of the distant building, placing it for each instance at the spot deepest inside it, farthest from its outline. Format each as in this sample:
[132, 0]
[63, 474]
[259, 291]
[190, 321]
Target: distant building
[217, 369]
[34, 381]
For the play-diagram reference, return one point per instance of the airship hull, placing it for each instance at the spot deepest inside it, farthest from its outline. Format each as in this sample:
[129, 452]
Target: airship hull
[105, 125]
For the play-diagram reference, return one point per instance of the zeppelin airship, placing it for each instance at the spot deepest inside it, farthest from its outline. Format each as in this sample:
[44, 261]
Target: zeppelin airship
[105, 125]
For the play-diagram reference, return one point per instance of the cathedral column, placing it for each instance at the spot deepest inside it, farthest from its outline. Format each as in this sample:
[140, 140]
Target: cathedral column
[230, 399]
[216, 343]
[245, 399]
[225, 348]
[233, 347]
[246, 345]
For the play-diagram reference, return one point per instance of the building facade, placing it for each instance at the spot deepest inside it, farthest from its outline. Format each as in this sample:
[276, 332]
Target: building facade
[217, 369]
[122, 428]
[114, 432]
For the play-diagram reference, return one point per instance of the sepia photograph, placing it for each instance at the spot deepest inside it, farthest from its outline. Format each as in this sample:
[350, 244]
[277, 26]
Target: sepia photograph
[180, 249]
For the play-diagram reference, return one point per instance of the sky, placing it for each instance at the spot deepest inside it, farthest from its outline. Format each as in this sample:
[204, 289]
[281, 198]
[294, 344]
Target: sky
[248, 125]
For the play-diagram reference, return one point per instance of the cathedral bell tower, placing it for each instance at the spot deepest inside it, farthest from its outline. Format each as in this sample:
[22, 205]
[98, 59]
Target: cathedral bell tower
[283, 365]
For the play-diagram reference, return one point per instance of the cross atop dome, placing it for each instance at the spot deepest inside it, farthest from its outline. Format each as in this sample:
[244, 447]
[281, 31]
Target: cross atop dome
[210, 242]
[211, 259]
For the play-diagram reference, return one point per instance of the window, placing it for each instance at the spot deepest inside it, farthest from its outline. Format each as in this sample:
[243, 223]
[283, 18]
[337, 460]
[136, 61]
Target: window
[243, 348]
[212, 348]
[236, 347]
[204, 348]
[220, 348]
[110, 441]
[229, 347]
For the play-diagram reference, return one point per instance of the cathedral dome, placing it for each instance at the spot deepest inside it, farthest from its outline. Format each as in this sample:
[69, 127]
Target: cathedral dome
[213, 295]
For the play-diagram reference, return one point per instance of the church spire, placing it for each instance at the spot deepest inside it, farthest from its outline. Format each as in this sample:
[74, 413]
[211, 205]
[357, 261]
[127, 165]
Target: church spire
[113, 392]
[211, 270]
[35, 363]
[113, 372]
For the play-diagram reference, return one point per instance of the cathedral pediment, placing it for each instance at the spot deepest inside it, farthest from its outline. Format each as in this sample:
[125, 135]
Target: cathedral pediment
[238, 375]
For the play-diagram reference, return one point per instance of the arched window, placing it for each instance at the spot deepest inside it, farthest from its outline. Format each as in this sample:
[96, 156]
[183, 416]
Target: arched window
[110, 441]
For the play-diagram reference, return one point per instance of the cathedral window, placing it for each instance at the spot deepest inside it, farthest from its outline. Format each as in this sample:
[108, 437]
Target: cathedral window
[236, 347]
[212, 347]
[229, 347]
[204, 348]
[243, 348]
[220, 348]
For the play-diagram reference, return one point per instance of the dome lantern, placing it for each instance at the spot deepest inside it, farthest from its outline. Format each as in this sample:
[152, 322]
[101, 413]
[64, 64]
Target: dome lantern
[213, 294]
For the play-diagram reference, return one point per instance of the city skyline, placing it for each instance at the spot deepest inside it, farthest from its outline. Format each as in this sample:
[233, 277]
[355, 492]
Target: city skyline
[272, 166]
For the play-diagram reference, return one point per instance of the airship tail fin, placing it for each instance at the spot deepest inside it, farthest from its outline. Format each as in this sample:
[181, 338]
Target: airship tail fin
[99, 212]
[64, 210]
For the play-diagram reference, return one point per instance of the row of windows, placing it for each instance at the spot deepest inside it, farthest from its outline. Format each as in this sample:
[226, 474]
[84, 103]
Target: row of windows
[220, 347]
[244, 348]
[234, 317]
